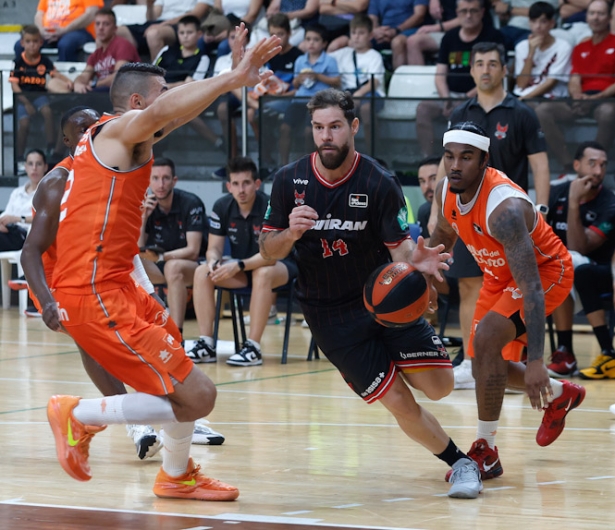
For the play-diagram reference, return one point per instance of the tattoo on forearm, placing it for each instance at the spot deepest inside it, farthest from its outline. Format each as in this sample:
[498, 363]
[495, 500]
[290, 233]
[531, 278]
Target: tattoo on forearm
[510, 229]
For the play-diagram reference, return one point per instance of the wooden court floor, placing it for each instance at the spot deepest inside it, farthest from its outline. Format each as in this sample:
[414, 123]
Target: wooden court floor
[304, 451]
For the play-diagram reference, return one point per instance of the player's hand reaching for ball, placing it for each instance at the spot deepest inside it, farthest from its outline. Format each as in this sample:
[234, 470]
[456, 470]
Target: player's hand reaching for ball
[300, 220]
[430, 260]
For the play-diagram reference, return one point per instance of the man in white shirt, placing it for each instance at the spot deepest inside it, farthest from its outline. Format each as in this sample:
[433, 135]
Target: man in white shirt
[542, 61]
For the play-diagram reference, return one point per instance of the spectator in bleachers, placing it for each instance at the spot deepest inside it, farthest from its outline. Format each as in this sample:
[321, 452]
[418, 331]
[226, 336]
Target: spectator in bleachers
[173, 236]
[592, 85]
[29, 82]
[122, 2]
[185, 62]
[335, 17]
[542, 61]
[300, 12]
[362, 70]
[160, 30]
[17, 216]
[453, 79]
[514, 19]
[248, 11]
[237, 216]
[314, 70]
[572, 11]
[111, 53]
[66, 25]
[395, 21]
[280, 84]
[582, 214]
[427, 39]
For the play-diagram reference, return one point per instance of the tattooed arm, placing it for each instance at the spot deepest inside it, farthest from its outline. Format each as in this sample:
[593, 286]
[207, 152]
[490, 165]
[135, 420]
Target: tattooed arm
[443, 233]
[510, 224]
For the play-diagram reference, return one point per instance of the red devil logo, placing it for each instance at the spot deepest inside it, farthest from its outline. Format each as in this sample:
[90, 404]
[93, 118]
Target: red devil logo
[299, 198]
[501, 131]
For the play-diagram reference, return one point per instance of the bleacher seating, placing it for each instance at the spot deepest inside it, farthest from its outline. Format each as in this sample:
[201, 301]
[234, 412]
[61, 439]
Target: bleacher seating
[127, 15]
[408, 82]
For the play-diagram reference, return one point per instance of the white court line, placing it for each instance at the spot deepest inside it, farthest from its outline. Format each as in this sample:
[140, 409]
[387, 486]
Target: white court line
[225, 516]
[600, 478]
[551, 483]
[400, 499]
[344, 506]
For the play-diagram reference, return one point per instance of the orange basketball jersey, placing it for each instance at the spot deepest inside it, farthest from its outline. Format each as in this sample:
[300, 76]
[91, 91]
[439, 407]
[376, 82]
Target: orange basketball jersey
[470, 221]
[100, 221]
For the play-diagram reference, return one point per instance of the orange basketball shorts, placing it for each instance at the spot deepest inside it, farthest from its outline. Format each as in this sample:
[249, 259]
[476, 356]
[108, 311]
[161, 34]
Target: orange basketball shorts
[506, 300]
[129, 334]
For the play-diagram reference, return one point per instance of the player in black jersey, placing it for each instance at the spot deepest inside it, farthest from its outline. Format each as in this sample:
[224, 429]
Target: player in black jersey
[343, 215]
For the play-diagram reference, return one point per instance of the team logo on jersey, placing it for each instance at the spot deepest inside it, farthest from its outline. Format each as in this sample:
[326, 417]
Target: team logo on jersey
[299, 198]
[165, 356]
[500, 131]
[357, 200]
[454, 214]
[402, 218]
[41, 69]
[591, 216]
[477, 229]
[256, 229]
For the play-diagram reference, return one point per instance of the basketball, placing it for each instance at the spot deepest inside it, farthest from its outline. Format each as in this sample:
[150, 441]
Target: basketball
[396, 294]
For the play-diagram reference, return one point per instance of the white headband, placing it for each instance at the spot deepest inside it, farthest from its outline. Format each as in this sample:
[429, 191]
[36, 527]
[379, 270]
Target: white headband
[466, 137]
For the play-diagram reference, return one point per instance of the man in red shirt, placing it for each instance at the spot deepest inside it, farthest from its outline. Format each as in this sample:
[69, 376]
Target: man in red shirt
[111, 53]
[592, 81]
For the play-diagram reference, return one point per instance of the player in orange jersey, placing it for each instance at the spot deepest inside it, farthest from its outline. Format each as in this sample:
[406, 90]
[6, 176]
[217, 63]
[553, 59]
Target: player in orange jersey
[47, 204]
[96, 302]
[527, 273]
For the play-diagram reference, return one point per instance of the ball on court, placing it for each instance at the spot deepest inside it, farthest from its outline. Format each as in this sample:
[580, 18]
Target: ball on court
[396, 294]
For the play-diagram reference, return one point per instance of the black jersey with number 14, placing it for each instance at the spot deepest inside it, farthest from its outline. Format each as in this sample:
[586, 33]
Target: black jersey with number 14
[359, 216]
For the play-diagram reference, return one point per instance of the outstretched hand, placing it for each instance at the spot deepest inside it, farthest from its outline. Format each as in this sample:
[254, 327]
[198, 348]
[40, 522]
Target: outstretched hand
[249, 67]
[239, 44]
[430, 260]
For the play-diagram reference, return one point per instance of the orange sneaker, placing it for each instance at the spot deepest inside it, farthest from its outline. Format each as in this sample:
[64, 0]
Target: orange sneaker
[193, 485]
[72, 436]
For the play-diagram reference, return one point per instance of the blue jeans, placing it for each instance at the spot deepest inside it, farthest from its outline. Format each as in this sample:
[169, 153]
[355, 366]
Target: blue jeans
[68, 45]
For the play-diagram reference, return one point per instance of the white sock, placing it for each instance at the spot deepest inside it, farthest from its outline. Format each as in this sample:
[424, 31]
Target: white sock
[209, 341]
[257, 345]
[136, 408]
[557, 386]
[176, 450]
[487, 430]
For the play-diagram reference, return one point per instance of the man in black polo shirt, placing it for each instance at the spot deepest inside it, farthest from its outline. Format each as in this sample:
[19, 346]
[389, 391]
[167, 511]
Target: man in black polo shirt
[517, 143]
[237, 216]
[453, 79]
[173, 236]
[582, 214]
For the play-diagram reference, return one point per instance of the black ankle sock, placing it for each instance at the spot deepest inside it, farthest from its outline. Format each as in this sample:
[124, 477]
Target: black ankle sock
[451, 454]
[604, 339]
[564, 338]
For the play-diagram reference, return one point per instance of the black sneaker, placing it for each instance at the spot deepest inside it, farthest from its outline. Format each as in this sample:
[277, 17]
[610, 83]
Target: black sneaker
[202, 353]
[249, 355]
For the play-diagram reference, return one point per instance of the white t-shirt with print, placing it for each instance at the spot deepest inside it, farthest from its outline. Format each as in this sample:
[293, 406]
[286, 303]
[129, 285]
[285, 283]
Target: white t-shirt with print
[177, 8]
[552, 63]
[369, 62]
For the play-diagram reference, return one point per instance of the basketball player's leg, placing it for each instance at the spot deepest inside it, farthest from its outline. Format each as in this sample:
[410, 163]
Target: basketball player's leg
[358, 351]
[169, 390]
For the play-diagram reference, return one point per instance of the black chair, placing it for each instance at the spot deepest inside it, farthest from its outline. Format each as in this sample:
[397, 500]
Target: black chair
[239, 328]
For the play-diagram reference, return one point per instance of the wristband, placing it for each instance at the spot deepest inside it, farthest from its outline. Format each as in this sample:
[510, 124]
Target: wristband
[242, 265]
[441, 26]
[397, 31]
[542, 208]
